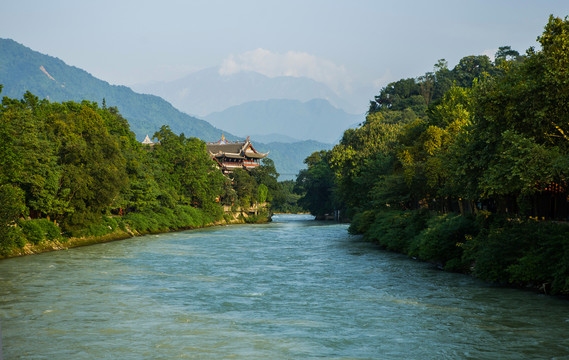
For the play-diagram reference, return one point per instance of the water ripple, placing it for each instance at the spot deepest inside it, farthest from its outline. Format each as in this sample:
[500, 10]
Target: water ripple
[294, 288]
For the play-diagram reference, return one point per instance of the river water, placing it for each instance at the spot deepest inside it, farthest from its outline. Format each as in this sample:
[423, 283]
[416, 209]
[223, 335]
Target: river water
[291, 289]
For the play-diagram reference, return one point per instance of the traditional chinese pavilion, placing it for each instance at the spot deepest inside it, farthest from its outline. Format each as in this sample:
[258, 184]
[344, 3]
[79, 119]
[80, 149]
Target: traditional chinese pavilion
[231, 155]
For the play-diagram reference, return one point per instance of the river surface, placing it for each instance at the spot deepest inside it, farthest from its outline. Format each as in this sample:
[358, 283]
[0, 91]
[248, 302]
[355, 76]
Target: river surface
[291, 289]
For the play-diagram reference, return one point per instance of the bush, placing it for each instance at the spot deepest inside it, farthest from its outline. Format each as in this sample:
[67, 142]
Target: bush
[524, 253]
[262, 216]
[11, 238]
[443, 239]
[37, 230]
[395, 230]
[361, 222]
[181, 217]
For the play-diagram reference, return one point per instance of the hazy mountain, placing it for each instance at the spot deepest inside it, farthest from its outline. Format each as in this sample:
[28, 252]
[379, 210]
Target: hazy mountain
[22, 69]
[206, 91]
[289, 157]
[315, 119]
[270, 138]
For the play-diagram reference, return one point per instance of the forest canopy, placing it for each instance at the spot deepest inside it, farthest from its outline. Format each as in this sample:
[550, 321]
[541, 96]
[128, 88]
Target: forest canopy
[75, 169]
[446, 162]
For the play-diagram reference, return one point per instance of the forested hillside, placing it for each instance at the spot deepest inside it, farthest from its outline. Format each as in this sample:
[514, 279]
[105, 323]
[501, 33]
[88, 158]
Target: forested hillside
[465, 167]
[75, 170]
[22, 69]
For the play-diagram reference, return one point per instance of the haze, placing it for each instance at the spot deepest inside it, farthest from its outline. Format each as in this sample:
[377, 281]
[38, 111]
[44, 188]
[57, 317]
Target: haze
[355, 47]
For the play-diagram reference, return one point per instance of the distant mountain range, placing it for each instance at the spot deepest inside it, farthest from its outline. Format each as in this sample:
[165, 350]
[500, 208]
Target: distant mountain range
[315, 119]
[288, 156]
[204, 92]
[22, 69]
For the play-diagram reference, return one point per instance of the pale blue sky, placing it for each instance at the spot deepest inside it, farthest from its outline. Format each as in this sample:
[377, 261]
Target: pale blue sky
[347, 44]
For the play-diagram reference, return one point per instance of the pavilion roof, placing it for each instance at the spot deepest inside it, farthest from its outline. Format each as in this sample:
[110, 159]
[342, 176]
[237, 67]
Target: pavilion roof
[234, 149]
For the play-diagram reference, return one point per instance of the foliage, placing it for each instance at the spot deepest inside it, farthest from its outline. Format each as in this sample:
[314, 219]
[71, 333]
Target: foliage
[286, 201]
[68, 166]
[11, 208]
[39, 230]
[483, 139]
[396, 230]
[443, 239]
[523, 253]
[316, 185]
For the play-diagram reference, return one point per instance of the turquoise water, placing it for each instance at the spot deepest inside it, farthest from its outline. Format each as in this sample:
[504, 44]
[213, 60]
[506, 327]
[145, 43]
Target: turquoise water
[291, 289]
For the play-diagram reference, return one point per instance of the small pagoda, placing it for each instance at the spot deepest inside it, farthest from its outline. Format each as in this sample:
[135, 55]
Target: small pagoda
[147, 141]
[231, 155]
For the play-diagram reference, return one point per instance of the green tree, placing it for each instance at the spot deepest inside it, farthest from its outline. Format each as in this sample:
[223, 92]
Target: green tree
[316, 186]
[12, 207]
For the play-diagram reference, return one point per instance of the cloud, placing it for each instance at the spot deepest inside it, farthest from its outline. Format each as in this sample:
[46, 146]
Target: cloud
[491, 53]
[382, 81]
[292, 63]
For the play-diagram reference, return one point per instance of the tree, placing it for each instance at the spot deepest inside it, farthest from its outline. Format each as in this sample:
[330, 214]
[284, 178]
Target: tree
[360, 148]
[245, 186]
[316, 186]
[267, 175]
[12, 207]
[470, 68]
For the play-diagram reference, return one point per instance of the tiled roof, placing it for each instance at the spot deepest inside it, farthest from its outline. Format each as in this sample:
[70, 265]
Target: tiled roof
[235, 149]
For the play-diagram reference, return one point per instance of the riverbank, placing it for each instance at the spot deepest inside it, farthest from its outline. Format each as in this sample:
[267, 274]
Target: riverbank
[128, 231]
[520, 253]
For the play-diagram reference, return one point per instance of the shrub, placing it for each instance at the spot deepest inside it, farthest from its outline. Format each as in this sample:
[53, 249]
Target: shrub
[547, 261]
[361, 222]
[11, 238]
[37, 230]
[525, 253]
[443, 239]
[261, 217]
[395, 230]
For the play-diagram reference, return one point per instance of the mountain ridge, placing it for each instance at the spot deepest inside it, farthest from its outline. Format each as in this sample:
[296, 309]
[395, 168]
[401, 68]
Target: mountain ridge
[315, 119]
[206, 91]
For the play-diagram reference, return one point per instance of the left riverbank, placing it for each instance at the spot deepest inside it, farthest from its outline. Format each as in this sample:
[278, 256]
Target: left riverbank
[125, 229]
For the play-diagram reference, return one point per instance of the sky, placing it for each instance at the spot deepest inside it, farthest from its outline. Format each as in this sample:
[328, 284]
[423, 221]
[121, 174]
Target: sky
[347, 44]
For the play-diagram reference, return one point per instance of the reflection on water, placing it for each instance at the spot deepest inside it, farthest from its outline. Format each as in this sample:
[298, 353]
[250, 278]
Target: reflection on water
[293, 288]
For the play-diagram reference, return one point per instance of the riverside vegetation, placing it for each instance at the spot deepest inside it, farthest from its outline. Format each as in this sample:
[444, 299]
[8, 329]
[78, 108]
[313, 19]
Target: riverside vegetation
[75, 170]
[465, 167]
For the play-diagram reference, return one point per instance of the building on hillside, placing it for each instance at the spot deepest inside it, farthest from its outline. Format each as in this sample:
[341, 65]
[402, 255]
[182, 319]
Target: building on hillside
[231, 155]
[147, 141]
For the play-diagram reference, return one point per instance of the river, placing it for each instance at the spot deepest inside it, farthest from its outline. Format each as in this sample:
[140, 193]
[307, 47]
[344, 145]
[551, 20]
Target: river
[291, 289]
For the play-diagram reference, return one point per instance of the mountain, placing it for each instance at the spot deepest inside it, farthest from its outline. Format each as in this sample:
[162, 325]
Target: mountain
[270, 138]
[22, 69]
[289, 157]
[315, 119]
[207, 91]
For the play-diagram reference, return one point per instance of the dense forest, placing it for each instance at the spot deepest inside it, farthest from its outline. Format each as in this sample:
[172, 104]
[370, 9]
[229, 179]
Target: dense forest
[71, 170]
[464, 167]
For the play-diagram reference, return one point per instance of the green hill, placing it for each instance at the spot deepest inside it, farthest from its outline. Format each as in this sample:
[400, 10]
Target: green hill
[22, 69]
